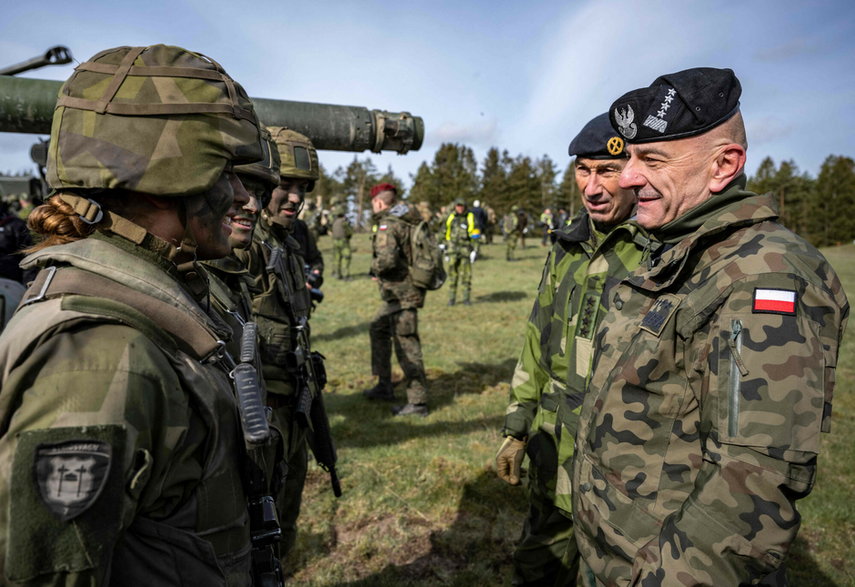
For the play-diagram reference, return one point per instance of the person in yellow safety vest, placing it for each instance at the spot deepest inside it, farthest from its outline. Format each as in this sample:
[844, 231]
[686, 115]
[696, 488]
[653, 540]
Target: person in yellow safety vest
[460, 253]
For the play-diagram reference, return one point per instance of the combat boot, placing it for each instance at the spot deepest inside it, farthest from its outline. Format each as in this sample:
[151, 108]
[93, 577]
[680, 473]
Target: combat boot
[411, 410]
[382, 391]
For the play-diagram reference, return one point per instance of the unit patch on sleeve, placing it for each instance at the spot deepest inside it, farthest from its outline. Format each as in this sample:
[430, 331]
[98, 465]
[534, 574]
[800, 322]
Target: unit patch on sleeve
[71, 475]
[774, 301]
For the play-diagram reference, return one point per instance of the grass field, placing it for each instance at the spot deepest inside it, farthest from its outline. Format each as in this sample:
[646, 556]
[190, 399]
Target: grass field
[421, 503]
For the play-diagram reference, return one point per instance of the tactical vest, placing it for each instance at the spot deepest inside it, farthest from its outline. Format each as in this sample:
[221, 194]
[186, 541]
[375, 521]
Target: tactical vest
[205, 538]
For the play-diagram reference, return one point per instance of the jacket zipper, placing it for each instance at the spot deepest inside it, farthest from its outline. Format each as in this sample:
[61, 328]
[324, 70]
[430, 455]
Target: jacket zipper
[737, 371]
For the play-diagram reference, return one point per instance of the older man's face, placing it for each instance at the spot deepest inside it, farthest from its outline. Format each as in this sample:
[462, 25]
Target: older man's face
[669, 178]
[607, 203]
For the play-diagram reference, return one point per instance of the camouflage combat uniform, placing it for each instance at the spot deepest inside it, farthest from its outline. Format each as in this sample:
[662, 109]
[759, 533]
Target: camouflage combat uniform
[342, 231]
[397, 319]
[145, 421]
[459, 229]
[549, 381]
[701, 425]
[272, 313]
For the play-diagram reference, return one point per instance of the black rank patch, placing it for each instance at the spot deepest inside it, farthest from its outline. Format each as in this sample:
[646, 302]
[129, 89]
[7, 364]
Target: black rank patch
[71, 475]
[656, 318]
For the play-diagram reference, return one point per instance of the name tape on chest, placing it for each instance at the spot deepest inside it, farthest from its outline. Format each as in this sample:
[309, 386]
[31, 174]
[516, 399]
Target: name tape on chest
[774, 301]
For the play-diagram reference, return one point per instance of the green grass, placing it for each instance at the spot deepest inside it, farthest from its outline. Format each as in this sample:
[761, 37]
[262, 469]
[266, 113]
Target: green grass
[421, 503]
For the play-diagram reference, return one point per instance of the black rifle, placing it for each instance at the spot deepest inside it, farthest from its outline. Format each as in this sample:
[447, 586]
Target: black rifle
[265, 531]
[307, 367]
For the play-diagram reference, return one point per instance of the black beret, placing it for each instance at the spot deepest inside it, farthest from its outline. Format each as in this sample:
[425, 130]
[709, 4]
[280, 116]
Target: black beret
[598, 140]
[677, 105]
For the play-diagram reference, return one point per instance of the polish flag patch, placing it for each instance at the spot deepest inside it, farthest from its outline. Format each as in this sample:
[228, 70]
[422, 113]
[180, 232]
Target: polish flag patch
[775, 301]
[383, 227]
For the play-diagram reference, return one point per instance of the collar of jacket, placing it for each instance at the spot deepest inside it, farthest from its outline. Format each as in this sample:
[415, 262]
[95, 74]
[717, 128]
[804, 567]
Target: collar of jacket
[726, 211]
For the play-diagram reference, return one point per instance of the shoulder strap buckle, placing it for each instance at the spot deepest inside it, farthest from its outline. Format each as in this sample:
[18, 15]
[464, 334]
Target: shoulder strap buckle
[42, 282]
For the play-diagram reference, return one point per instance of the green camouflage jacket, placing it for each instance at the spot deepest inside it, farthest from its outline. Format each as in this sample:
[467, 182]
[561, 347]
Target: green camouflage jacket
[270, 303]
[119, 439]
[550, 376]
[712, 381]
[231, 298]
[341, 229]
[390, 260]
[459, 229]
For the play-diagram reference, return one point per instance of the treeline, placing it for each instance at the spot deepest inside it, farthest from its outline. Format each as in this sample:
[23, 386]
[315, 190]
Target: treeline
[821, 209]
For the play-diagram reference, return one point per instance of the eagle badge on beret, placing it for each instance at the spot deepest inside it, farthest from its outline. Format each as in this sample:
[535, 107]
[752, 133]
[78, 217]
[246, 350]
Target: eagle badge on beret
[624, 119]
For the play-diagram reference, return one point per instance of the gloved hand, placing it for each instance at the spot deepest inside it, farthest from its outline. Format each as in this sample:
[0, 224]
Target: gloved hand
[472, 256]
[509, 460]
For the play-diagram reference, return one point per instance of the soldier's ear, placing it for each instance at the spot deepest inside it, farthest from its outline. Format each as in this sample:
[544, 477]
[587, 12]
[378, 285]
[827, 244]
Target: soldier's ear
[726, 166]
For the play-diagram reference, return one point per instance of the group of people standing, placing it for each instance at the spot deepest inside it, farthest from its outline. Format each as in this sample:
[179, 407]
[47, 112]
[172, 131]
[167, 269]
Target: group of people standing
[159, 394]
[678, 364]
[159, 391]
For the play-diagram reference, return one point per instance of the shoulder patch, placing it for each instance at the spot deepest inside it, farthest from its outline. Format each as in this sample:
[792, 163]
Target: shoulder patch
[71, 475]
[383, 226]
[774, 301]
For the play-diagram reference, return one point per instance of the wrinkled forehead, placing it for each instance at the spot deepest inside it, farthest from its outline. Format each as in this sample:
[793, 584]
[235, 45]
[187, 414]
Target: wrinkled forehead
[600, 164]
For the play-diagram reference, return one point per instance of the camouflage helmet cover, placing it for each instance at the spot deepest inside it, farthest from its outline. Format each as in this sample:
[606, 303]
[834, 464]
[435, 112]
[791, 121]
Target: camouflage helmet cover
[160, 120]
[459, 202]
[298, 156]
[267, 169]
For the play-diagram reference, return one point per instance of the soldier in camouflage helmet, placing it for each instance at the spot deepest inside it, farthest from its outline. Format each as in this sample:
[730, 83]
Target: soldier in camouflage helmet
[714, 373]
[281, 299]
[396, 322]
[549, 381]
[342, 232]
[118, 423]
[459, 245]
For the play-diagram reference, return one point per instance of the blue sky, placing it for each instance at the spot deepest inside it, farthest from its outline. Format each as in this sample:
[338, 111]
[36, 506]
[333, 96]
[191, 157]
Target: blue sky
[522, 76]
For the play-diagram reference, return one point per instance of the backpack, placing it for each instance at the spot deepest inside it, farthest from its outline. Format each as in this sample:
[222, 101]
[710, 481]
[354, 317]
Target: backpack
[426, 267]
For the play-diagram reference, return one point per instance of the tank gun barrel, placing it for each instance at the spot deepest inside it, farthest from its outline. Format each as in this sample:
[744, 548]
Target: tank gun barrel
[27, 105]
[58, 55]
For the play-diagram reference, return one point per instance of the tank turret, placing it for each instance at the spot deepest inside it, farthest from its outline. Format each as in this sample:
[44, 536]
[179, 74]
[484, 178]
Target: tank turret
[27, 106]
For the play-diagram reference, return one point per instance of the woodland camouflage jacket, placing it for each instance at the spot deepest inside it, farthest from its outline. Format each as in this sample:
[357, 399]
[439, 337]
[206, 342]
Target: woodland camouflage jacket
[712, 380]
[391, 257]
[549, 380]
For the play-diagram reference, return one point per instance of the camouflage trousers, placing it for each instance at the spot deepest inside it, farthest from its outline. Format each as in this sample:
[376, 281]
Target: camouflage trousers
[459, 269]
[392, 326]
[290, 496]
[511, 245]
[341, 258]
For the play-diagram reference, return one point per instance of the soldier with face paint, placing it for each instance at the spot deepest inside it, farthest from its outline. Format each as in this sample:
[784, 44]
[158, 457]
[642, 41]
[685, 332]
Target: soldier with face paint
[714, 366]
[119, 432]
[280, 299]
[548, 386]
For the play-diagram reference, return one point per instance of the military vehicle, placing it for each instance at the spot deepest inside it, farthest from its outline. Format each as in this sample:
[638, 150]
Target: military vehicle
[27, 105]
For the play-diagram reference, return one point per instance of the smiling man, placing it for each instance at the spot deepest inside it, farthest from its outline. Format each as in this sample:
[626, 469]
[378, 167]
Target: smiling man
[714, 373]
[280, 304]
[550, 377]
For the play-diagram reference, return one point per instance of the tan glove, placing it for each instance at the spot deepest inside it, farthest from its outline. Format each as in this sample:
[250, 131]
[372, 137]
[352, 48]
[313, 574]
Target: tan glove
[509, 460]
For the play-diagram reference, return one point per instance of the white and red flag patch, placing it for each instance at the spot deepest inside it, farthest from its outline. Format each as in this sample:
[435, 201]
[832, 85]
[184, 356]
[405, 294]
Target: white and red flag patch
[775, 301]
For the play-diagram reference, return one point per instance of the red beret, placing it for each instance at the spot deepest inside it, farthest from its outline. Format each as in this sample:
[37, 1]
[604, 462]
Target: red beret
[383, 187]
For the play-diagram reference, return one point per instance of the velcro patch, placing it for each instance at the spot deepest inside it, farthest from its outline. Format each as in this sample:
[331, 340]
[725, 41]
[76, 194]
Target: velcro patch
[383, 227]
[774, 301]
[657, 317]
[71, 475]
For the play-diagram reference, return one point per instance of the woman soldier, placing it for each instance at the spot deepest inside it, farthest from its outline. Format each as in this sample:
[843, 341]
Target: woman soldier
[118, 425]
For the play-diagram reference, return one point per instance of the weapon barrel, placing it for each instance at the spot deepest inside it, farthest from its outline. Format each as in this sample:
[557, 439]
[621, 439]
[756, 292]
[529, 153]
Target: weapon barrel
[27, 105]
[58, 55]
